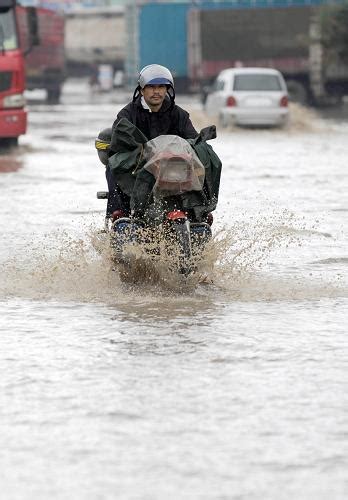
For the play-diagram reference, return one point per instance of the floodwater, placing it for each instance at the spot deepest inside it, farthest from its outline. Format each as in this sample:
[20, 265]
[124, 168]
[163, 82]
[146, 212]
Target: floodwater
[233, 389]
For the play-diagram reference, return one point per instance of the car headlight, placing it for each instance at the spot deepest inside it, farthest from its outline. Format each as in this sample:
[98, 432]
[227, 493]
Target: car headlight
[14, 101]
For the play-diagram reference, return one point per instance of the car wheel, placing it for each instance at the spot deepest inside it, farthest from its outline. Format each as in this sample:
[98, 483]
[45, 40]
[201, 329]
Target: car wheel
[53, 95]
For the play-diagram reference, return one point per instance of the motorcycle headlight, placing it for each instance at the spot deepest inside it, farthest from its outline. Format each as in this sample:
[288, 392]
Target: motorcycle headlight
[14, 101]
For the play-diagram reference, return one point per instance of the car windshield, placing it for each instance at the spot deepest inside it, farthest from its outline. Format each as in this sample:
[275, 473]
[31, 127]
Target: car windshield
[8, 39]
[257, 82]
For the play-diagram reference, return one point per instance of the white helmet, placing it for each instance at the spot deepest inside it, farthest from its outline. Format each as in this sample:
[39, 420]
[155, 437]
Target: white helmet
[155, 74]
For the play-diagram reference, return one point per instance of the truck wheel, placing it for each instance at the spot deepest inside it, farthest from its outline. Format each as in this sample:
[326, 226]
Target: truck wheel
[297, 92]
[53, 96]
[8, 143]
[336, 96]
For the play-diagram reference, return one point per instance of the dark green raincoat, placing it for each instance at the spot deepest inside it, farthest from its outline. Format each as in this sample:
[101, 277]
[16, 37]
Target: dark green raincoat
[126, 165]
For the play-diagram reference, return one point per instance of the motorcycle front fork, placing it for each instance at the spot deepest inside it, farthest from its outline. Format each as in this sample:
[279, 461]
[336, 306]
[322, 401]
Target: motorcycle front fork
[190, 239]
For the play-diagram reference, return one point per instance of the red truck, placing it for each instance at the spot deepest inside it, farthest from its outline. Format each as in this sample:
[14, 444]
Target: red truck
[45, 66]
[13, 116]
[31, 56]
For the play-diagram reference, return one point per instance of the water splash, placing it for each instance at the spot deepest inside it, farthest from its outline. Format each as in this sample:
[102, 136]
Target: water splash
[301, 119]
[235, 264]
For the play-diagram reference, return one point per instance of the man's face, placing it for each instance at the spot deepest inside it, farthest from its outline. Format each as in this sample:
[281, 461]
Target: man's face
[154, 96]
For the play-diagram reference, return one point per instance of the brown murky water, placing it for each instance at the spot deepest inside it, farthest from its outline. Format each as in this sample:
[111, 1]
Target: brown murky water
[235, 388]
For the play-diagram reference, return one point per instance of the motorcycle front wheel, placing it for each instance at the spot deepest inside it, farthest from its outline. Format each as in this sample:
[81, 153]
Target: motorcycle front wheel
[182, 240]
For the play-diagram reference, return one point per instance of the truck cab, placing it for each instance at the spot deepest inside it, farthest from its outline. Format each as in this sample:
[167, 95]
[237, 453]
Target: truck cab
[13, 114]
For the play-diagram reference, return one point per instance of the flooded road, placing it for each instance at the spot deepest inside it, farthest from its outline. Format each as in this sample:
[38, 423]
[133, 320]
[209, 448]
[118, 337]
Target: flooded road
[236, 389]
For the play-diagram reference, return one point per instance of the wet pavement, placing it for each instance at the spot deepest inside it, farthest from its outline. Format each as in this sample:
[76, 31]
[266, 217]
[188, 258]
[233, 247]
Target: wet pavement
[234, 389]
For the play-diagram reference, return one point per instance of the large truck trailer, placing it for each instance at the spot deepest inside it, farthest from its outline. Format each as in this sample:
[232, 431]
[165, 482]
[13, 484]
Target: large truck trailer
[288, 39]
[95, 36]
[198, 40]
[45, 62]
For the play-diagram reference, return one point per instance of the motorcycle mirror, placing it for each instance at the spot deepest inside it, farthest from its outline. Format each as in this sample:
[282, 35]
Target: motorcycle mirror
[208, 133]
[103, 195]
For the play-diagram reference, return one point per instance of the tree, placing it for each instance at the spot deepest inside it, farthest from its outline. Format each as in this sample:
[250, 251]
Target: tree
[335, 31]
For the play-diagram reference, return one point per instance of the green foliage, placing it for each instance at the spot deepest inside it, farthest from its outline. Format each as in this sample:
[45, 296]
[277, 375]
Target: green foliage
[335, 31]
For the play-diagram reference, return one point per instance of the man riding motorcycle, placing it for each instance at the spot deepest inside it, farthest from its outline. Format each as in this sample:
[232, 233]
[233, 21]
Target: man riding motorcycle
[154, 112]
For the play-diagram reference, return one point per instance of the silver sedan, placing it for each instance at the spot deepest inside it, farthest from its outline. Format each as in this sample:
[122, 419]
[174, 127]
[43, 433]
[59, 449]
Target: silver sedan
[249, 96]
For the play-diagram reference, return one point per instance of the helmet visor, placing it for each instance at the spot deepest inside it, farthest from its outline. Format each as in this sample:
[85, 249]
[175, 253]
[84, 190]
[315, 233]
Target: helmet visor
[159, 81]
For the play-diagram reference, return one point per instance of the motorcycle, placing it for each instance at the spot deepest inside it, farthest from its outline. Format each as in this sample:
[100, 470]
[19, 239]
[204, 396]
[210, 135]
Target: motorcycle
[163, 226]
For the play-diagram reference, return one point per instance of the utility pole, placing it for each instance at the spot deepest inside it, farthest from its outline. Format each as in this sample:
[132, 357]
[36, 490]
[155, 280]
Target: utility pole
[316, 76]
